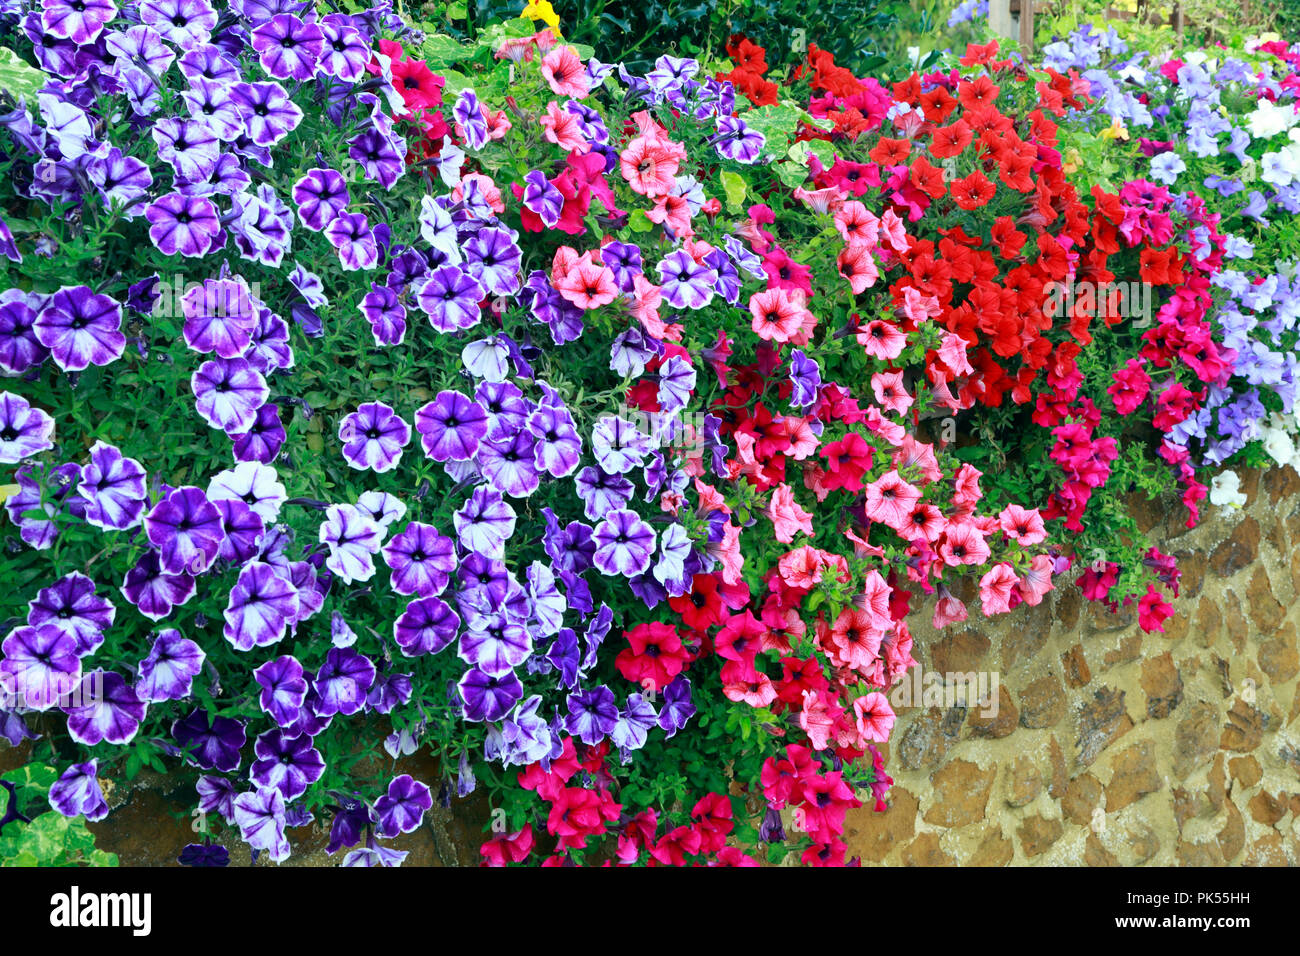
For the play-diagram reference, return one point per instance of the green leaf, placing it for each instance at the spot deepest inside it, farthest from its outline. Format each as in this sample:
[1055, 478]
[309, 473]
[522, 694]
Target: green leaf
[638, 221]
[441, 50]
[733, 184]
[17, 77]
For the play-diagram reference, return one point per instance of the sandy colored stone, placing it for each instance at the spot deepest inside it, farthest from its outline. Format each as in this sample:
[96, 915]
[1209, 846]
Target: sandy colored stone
[1103, 619]
[1277, 655]
[1042, 702]
[1238, 550]
[1037, 834]
[927, 740]
[1094, 854]
[1245, 770]
[1177, 625]
[1280, 483]
[1075, 667]
[1082, 796]
[1069, 601]
[1234, 620]
[1133, 776]
[1232, 838]
[925, 851]
[1129, 649]
[1209, 621]
[1217, 778]
[1100, 722]
[1265, 610]
[872, 835]
[1059, 778]
[998, 724]
[960, 793]
[1199, 854]
[1191, 573]
[959, 652]
[1268, 850]
[1163, 685]
[994, 849]
[1244, 729]
[1024, 783]
[1267, 808]
[1196, 737]
[1186, 804]
[1022, 643]
[1143, 842]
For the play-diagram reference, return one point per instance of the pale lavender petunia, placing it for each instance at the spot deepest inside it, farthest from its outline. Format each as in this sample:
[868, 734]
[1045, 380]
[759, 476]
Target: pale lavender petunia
[351, 235]
[210, 103]
[183, 225]
[186, 23]
[485, 523]
[269, 114]
[81, 21]
[260, 816]
[190, 146]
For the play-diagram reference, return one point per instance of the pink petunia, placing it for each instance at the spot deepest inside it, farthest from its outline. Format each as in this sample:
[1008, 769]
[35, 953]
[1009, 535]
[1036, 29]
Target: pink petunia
[996, 587]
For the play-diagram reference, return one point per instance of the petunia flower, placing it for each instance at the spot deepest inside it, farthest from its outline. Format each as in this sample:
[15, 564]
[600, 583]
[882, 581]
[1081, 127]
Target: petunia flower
[343, 682]
[262, 605]
[260, 817]
[40, 668]
[353, 540]
[77, 792]
[289, 764]
[81, 328]
[154, 592]
[624, 544]
[489, 698]
[427, 626]
[284, 689]
[321, 195]
[71, 605]
[269, 114]
[485, 523]
[185, 527]
[24, 431]
[20, 350]
[288, 48]
[421, 559]
[228, 393]
[106, 710]
[450, 298]
[219, 317]
[168, 672]
[373, 437]
[402, 808]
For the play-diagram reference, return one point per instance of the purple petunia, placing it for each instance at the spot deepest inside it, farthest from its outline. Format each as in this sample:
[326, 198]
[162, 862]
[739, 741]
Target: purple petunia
[244, 530]
[421, 559]
[260, 816]
[351, 235]
[593, 714]
[107, 710]
[426, 627]
[451, 426]
[188, 145]
[686, 284]
[320, 195]
[284, 689]
[212, 743]
[450, 298]
[228, 393]
[624, 544]
[263, 439]
[154, 592]
[485, 523]
[24, 430]
[541, 197]
[489, 698]
[71, 605]
[80, 21]
[288, 764]
[183, 225]
[168, 672]
[343, 682]
[269, 114]
[403, 807]
[77, 792]
[81, 328]
[219, 317]
[263, 603]
[506, 461]
[185, 527]
[186, 23]
[19, 347]
[386, 314]
[41, 666]
[288, 48]
[113, 487]
[373, 437]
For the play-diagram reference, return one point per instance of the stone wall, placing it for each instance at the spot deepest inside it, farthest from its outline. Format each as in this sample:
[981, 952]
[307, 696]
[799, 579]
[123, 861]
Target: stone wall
[1110, 746]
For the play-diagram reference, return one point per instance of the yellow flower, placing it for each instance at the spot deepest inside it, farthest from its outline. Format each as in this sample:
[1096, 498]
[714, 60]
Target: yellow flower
[1115, 130]
[542, 10]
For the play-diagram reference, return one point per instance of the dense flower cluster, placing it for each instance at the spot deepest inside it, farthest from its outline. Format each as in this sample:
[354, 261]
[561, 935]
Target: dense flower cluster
[576, 424]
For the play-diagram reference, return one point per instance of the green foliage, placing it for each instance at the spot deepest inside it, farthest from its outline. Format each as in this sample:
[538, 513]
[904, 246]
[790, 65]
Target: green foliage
[48, 838]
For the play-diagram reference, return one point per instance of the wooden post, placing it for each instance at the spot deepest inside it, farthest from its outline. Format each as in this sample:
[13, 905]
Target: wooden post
[1000, 17]
[1027, 26]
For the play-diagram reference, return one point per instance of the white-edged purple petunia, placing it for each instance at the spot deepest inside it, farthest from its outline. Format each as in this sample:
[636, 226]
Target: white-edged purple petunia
[485, 523]
[71, 605]
[427, 626]
[40, 668]
[106, 710]
[422, 560]
[451, 426]
[113, 487]
[262, 605]
[228, 393]
[403, 806]
[624, 544]
[284, 689]
[168, 672]
[153, 591]
[81, 328]
[185, 527]
[353, 540]
[373, 437]
[24, 430]
[77, 792]
[219, 317]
